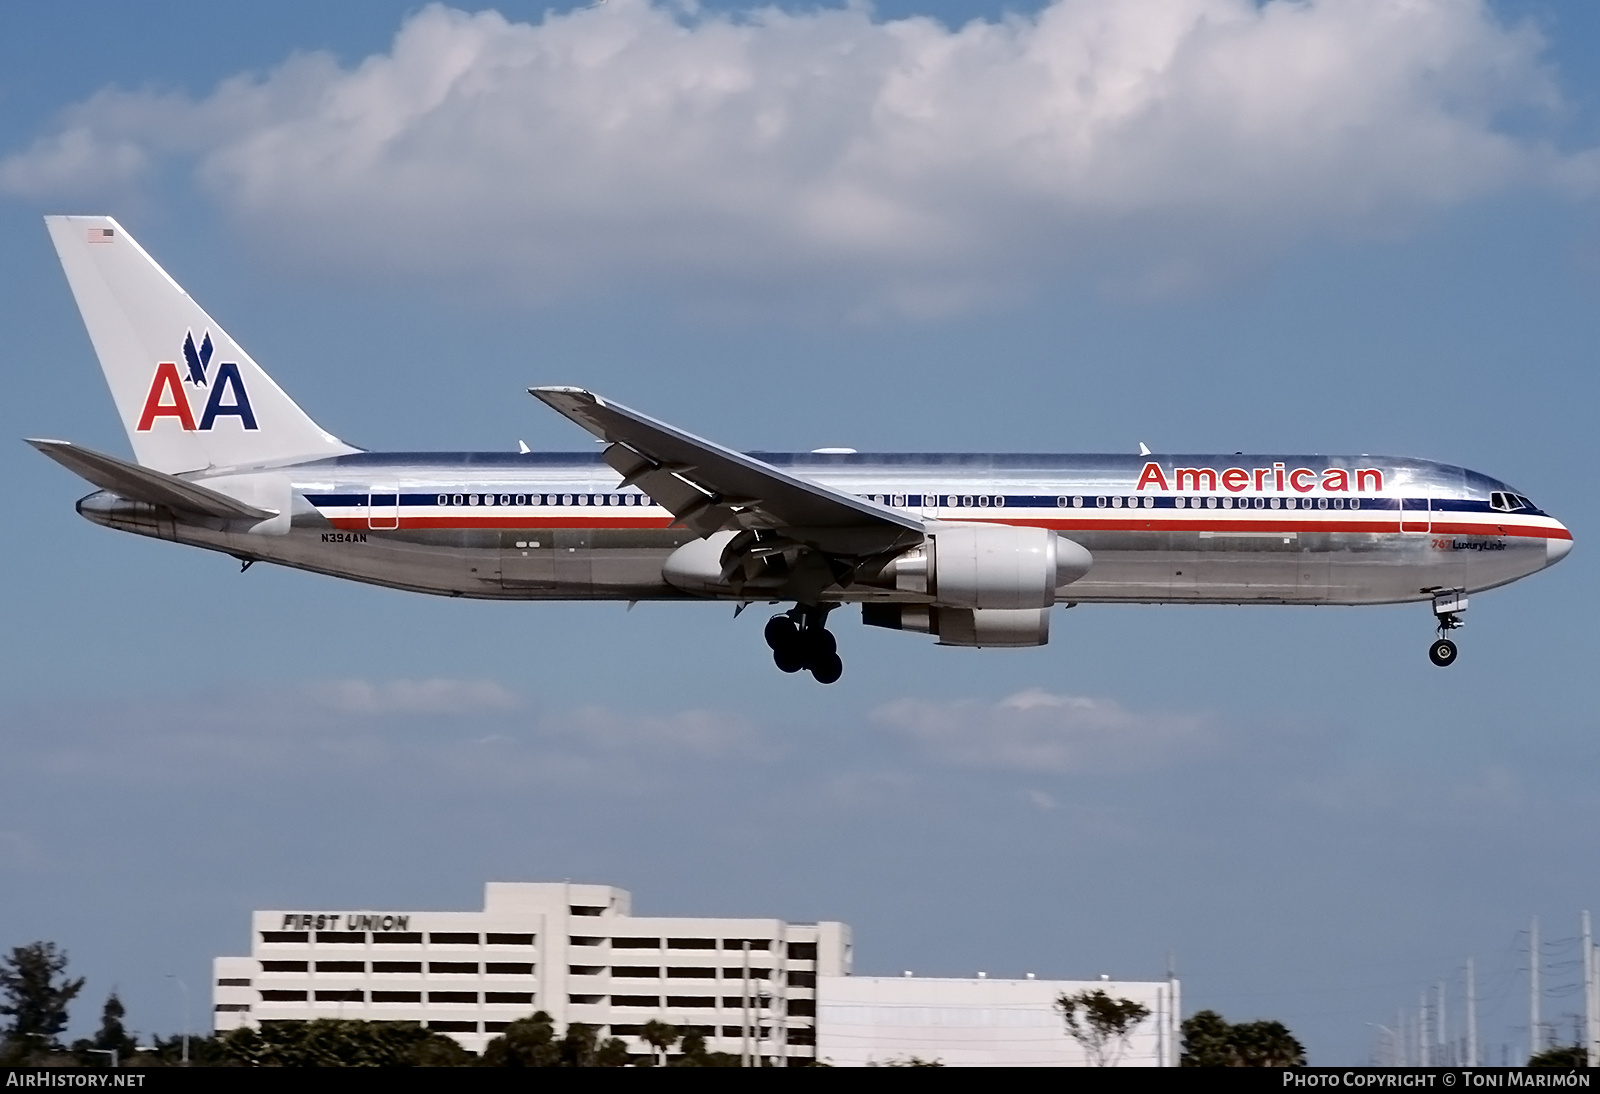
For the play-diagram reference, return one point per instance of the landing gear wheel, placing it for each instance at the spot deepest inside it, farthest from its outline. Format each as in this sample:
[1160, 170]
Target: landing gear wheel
[781, 632]
[789, 658]
[1442, 653]
[818, 644]
[828, 669]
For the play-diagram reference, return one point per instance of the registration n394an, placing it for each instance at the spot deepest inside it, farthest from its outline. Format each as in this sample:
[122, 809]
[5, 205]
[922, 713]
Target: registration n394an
[975, 549]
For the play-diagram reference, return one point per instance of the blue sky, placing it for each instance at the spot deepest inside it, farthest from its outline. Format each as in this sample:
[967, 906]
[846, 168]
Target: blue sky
[1296, 228]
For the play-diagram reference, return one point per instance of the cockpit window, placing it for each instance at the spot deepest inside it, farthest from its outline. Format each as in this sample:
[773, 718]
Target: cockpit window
[1506, 502]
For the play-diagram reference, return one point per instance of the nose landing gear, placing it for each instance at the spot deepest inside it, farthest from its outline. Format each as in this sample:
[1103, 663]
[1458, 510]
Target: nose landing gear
[800, 639]
[1447, 608]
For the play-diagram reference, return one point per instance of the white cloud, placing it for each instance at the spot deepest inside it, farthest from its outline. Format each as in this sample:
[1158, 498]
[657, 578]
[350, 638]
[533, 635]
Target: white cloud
[1037, 730]
[434, 696]
[911, 165]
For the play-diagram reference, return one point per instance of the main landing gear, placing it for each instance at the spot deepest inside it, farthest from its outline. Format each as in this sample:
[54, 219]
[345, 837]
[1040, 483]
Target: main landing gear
[800, 639]
[1447, 609]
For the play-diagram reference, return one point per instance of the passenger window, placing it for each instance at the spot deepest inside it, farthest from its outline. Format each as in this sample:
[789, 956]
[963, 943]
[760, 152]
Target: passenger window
[566, 499]
[966, 499]
[1077, 503]
[472, 499]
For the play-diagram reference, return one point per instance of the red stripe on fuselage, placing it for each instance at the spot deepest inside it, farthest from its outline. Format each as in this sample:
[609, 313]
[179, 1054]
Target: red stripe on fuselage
[1119, 524]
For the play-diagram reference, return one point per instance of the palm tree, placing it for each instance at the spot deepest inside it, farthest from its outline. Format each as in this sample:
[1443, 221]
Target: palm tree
[659, 1036]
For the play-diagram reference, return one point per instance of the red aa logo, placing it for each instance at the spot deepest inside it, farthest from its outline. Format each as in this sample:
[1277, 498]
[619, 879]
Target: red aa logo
[167, 397]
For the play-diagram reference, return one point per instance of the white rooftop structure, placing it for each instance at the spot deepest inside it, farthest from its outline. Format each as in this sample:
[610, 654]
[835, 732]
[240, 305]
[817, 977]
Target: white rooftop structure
[981, 1022]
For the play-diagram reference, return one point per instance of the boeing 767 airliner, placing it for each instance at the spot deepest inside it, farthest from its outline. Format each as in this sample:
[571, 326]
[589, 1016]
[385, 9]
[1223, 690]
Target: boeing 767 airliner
[975, 549]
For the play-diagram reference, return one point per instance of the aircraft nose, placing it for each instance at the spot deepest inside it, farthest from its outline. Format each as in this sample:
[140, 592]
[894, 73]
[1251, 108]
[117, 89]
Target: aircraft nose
[1557, 549]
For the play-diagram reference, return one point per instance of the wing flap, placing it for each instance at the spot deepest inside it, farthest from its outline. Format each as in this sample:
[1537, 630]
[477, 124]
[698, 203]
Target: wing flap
[136, 483]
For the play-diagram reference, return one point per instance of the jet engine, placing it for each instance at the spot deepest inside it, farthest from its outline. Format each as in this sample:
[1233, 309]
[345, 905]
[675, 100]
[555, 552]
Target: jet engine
[991, 566]
[1013, 627]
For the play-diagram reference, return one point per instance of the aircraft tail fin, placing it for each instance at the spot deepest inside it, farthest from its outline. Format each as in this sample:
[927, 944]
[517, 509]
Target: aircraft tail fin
[189, 396]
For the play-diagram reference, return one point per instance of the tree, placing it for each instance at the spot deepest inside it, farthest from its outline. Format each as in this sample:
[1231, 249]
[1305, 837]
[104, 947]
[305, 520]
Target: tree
[692, 1053]
[531, 1042]
[1210, 1041]
[1105, 1023]
[527, 1042]
[1561, 1056]
[112, 1036]
[1206, 1041]
[660, 1037]
[34, 999]
[337, 1042]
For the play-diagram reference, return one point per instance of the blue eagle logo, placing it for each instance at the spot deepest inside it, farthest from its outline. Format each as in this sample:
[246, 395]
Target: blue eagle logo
[197, 360]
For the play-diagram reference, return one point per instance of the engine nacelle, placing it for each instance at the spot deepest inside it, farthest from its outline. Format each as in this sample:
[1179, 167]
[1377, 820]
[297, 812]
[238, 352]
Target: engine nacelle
[1014, 627]
[991, 566]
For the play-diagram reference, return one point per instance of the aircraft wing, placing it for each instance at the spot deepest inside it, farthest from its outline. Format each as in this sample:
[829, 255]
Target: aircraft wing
[709, 487]
[136, 483]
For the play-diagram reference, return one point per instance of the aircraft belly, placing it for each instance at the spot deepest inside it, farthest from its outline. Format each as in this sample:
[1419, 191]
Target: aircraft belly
[1129, 566]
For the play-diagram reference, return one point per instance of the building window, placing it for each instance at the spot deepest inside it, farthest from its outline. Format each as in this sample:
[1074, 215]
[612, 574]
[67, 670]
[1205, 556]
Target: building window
[691, 972]
[495, 1027]
[226, 1007]
[342, 936]
[802, 979]
[510, 939]
[586, 999]
[284, 936]
[802, 951]
[636, 1000]
[647, 971]
[233, 982]
[576, 941]
[454, 1027]
[341, 996]
[452, 938]
[585, 909]
[691, 1000]
[585, 970]
[397, 997]
[738, 943]
[283, 997]
[691, 943]
[508, 997]
[509, 968]
[734, 1002]
[413, 938]
[453, 966]
[636, 943]
[284, 966]
[802, 1036]
[803, 1008]
[341, 966]
[397, 966]
[452, 997]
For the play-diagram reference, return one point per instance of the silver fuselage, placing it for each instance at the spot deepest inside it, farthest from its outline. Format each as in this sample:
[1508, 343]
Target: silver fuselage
[557, 526]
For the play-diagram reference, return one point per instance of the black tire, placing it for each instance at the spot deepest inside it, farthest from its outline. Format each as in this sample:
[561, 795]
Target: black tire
[819, 644]
[781, 632]
[1442, 653]
[828, 669]
[789, 658]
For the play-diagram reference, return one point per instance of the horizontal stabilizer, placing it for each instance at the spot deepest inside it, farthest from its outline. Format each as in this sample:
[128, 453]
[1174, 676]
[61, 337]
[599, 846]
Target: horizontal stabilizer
[129, 480]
